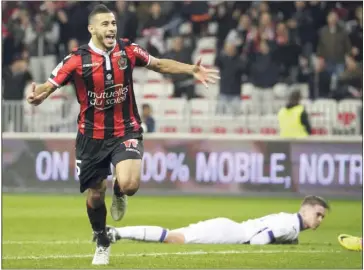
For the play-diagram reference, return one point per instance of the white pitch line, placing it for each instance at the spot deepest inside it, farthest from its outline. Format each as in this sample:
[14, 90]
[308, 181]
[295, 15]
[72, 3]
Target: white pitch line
[55, 242]
[188, 253]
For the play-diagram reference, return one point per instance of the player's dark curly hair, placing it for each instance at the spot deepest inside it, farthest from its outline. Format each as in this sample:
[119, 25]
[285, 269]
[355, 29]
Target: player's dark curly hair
[315, 200]
[98, 9]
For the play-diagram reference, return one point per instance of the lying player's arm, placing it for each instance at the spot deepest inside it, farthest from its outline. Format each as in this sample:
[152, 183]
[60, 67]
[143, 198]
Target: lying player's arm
[263, 238]
[168, 66]
[273, 235]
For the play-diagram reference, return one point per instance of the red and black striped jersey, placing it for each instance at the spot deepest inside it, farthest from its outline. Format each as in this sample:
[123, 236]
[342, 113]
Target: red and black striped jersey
[104, 87]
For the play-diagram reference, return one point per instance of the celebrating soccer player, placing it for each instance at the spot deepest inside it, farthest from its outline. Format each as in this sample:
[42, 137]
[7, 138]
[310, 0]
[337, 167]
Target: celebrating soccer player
[280, 228]
[109, 125]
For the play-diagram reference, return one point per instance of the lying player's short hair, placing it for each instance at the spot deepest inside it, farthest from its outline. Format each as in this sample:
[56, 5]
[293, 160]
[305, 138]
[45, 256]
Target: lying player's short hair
[315, 200]
[98, 9]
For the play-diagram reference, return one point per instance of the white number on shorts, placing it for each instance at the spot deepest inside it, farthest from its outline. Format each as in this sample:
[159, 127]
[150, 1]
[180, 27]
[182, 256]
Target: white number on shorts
[77, 167]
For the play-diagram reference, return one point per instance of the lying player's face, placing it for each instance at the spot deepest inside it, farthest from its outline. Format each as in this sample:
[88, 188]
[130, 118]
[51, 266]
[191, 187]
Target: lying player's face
[315, 215]
[105, 29]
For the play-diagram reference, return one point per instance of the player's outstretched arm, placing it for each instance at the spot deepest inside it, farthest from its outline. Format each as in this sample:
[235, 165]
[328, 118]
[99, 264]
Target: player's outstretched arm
[40, 92]
[168, 66]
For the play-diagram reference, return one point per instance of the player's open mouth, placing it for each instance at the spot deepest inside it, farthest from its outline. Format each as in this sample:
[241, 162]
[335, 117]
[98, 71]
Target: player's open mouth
[110, 38]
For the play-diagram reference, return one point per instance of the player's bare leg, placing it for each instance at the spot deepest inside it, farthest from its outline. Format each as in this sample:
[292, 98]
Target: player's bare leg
[126, 184]
[96, 211]
[145, 233]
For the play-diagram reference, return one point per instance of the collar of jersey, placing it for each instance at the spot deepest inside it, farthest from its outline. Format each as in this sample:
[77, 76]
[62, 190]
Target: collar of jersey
[300, 220]
[99, 51]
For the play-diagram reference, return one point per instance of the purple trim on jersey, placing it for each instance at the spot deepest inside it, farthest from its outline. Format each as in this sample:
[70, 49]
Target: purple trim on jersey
[302, 227]
[271, 237]
[163, 236]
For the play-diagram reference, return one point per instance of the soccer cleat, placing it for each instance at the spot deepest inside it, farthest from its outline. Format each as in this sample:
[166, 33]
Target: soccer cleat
[118, 206]
[101, 256]
[350, 242]
[102, 252]
[112, 234]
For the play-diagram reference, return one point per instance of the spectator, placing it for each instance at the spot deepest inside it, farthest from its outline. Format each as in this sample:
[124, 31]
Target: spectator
[224, 17]
[266, 26]
[350, 82]
[240, 34]
[293, 119]
[41, 38]
[319, 81]
[333, 45]
[72, 44]
[264, 70]
[15, 79]
[287, 52]
[231, 69]
[305, 27]
[74, 21]
[197, 12]
[305, 70]
[14, 34]
[183, 84]
[147, 119]
[127, 21]
[319, 14]
[356, 35]
[153, 30]
[264, 32]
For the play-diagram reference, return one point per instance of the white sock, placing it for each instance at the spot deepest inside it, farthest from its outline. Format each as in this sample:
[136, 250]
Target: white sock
[143, 233]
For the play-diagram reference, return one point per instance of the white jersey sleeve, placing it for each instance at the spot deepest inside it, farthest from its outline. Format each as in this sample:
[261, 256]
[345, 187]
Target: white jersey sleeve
[275, 228]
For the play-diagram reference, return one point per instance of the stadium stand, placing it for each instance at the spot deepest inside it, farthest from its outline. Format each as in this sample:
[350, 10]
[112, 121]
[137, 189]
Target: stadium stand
[333, 104]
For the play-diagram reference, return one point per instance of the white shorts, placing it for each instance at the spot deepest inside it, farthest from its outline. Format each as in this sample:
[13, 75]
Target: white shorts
[213, 231]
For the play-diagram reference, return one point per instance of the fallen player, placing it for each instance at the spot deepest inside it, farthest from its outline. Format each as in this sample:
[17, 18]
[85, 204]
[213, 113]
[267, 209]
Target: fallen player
[280, 228]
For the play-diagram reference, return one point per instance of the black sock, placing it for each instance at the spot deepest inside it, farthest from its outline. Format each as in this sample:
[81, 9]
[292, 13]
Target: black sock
[117, 190]
[97, 217]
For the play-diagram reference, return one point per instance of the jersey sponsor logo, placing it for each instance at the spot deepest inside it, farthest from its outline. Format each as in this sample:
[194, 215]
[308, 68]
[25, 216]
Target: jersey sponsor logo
[122, 63]
[91, 65]
[109, 97]
[141, 52]
[123, 53]
[131, 143]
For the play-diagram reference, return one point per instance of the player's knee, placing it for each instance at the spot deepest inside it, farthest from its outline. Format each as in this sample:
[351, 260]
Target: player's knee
[96, 195]
[132, 187]
[95, 199]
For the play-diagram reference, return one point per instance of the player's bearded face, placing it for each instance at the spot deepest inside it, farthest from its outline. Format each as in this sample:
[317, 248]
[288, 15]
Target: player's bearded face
[106, 30]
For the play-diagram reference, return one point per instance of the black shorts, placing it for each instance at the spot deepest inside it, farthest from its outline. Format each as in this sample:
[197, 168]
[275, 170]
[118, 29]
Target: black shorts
[94, 156]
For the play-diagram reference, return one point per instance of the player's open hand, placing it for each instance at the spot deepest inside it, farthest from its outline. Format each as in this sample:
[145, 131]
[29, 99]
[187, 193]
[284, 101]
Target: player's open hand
[205, 75]
[34, 99]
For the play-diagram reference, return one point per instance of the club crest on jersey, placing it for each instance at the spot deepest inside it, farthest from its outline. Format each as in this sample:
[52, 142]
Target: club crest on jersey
[123, 63]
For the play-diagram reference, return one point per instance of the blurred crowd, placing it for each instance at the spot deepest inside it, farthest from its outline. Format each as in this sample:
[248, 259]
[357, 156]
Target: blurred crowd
[318, 43]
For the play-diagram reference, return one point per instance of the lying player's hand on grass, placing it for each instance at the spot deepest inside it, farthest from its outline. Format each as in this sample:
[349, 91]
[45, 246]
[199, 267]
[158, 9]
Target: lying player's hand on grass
[205, 75]
[34, 99]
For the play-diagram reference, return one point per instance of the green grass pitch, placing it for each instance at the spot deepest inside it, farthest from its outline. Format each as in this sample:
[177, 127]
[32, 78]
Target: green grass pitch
[53, 232]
